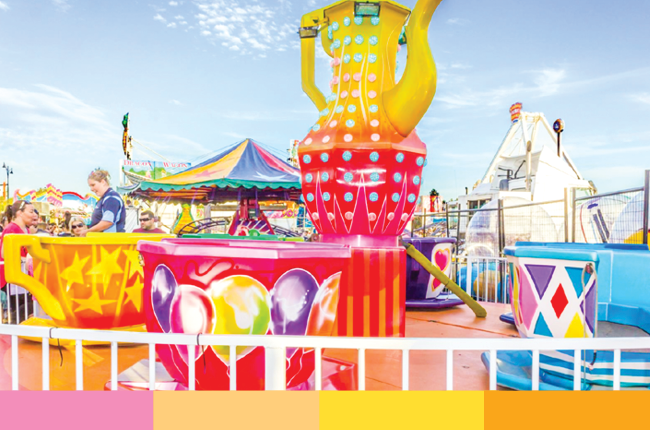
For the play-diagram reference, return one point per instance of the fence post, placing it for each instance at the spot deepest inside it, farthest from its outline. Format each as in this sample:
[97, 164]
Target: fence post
[573, 215]
[566, 215]
[500, 227]
[424, 222]
[447, 219]
[646, 202]
[468, 276]
[275, 370]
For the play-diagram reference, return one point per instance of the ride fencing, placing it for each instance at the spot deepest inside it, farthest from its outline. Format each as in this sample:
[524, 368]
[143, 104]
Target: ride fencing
[483, 278]
[617, 217]
[482, 234]
[276, 347]
[17, 305]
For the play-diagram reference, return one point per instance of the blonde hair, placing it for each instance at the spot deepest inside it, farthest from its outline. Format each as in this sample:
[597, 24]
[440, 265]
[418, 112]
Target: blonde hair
[100, 175]
[76, 218]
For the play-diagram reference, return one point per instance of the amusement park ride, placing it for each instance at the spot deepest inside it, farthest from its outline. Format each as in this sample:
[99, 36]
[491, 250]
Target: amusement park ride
[361, 169]
[360, 174]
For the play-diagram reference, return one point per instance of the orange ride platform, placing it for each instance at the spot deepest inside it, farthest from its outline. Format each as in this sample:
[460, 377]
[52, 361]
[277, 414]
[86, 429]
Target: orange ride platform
[383, 368]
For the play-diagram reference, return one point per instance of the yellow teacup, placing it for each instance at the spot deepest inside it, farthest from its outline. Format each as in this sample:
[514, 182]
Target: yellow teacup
[92, 282]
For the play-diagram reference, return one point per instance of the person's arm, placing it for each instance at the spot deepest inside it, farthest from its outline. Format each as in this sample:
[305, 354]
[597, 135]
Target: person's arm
[110, 211]
[99, 227]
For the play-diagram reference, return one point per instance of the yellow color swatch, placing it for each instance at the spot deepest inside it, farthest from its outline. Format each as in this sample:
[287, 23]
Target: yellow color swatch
[401, 410]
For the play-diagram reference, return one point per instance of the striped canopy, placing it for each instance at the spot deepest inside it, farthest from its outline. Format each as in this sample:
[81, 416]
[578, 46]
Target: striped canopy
[244, 169]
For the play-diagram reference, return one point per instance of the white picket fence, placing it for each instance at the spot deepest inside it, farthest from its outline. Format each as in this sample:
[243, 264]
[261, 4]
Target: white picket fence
[483, 278]
[275, 352]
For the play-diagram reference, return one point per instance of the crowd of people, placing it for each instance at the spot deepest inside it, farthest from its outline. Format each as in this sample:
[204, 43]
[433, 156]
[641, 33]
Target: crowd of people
[109, 216]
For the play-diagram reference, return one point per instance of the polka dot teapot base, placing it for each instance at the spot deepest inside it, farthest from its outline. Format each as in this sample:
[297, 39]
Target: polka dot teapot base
[361, 191]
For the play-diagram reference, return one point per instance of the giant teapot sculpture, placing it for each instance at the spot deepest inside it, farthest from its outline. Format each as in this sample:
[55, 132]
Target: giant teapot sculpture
[361, 163]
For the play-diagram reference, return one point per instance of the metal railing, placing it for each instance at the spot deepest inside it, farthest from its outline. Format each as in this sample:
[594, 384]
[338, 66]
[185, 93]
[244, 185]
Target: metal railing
[551, 221]
[18, 307]
[483, 278]
[276, 346]
[602, 212]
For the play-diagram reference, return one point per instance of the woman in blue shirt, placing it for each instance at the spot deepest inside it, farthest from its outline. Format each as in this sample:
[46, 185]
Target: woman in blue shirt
[109, 215]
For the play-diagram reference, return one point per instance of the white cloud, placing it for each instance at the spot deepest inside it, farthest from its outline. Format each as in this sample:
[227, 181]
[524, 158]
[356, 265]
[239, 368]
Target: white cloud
[275, 115]
[172, 25]
[176, 147]
[471, 98]
[160, 18]
[173, 3]
[55, 131]
[4, 6]
[179, 17]
[61, 4]
[251, 27]
[234, 134]
[548, 80]
[457, 21]
[176, 102]
[545, 82]
[641, 97]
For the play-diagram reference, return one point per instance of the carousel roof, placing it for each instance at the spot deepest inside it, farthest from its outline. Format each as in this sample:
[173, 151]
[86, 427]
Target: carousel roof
[245, 168]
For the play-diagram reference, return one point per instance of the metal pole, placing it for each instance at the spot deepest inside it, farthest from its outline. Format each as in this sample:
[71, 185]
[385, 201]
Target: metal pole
[424, 222]
[500, 226]
[529, 168]
[573, 215]
[8, 190]
[646, 202]
[447, 218]
[566, 214]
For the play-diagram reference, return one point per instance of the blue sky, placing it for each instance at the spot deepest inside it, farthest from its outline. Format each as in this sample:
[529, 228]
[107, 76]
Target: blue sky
[199, 75]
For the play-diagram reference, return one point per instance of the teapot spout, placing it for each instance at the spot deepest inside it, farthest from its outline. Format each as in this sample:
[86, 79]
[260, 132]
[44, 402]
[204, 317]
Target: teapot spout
[408, 101]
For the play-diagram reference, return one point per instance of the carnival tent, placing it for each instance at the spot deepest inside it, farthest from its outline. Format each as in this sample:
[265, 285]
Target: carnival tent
[243, 170]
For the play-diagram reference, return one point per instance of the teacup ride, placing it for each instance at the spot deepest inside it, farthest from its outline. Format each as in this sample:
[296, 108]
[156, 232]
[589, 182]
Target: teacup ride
[211, 286]
[572, 290]
[94, 282]
[424, 290]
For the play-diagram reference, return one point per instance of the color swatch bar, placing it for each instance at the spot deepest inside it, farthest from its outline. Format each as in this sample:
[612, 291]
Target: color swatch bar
[323, 410]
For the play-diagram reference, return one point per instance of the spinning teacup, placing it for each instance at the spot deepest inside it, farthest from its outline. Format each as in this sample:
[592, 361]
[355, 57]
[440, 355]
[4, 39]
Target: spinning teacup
[93, 282]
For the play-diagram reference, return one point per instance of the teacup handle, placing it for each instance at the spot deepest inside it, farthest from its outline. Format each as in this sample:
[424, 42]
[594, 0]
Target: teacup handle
[14, 275]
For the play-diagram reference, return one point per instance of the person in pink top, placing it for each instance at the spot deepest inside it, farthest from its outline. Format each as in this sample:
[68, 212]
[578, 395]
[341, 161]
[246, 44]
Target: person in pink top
[21, 216]
[147, 224]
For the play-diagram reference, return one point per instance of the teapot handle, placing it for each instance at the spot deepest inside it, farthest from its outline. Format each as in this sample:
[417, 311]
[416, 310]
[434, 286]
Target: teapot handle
[13, 243]
[308, 62]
